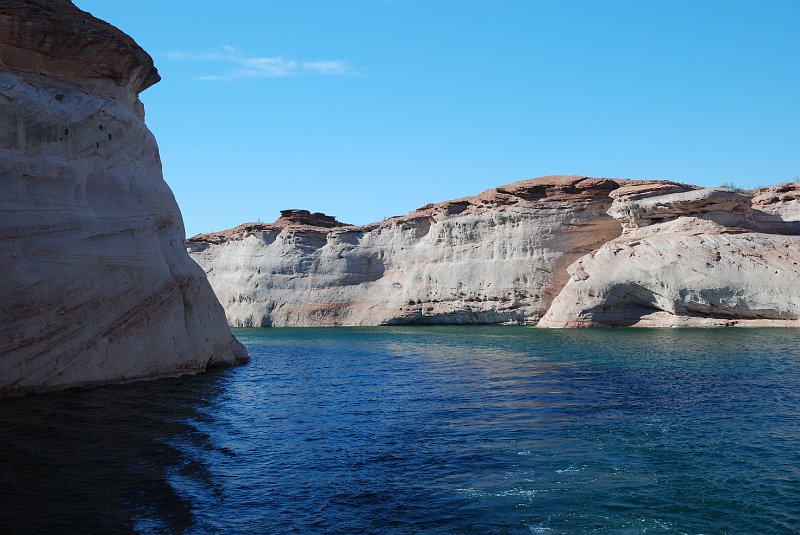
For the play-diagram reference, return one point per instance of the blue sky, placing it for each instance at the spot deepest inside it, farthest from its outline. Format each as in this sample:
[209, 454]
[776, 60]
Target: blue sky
[365, 109]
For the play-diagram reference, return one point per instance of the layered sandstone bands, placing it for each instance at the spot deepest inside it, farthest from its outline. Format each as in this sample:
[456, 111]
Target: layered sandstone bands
[55, 39]
[707, 257]
[579, 251]
[497, 257]
[97, 286]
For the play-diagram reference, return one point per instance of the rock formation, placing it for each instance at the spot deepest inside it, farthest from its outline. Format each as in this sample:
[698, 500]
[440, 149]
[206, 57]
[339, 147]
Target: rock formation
[707, 257]
[97, 286]
[500, 256]
[588, 251]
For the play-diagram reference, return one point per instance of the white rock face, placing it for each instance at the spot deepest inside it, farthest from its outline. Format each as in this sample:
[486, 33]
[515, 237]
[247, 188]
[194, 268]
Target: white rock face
[678, 256]
[97, 286]
[498, 257]
[698, 258]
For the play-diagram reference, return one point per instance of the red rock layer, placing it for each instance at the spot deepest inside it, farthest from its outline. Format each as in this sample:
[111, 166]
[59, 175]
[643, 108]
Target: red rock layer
[535, 191]
[781, 194]
[56, 39]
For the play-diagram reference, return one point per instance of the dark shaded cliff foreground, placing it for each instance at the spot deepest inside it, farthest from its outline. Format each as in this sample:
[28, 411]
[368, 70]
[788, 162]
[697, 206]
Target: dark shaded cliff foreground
[572, 251]
[97, 286]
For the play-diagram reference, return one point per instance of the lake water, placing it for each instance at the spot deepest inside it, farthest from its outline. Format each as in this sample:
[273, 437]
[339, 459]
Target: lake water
[426, 429]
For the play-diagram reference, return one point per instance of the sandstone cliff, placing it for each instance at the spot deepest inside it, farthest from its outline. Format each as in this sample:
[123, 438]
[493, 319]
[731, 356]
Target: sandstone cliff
[587, 251]
[707, 257]
[97, 286]
[500, 256]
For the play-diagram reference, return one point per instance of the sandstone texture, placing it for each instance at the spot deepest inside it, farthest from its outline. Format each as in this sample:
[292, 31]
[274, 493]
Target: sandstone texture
[497, 257]
[579, 251]
[97, 286]
[702, 257]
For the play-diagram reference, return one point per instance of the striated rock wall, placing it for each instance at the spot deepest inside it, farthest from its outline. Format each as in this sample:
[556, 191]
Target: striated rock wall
[588, 252]
[500, 256]
[97, 286]
[707, 257]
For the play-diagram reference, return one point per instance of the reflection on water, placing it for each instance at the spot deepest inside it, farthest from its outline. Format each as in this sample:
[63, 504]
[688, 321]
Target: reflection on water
[434, 429]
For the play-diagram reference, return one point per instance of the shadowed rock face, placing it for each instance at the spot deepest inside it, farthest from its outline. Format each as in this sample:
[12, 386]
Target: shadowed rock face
[97, 286]
[705, 257]
[500, 256]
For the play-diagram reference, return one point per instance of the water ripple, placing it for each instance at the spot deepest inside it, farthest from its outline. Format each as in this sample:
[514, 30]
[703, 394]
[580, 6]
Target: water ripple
[435, 430]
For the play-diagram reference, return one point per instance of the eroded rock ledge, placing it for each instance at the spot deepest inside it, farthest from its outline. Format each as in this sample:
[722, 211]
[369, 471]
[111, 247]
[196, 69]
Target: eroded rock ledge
[54, 38]
[579, 251]
[97, 286]
[496, 257]
[706, 257]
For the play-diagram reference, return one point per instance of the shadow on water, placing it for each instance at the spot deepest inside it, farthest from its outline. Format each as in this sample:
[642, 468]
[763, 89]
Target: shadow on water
[425, 429]
[100, 460]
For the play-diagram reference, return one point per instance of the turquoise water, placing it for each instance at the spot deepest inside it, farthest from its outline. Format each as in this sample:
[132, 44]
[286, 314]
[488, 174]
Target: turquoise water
[426, 429]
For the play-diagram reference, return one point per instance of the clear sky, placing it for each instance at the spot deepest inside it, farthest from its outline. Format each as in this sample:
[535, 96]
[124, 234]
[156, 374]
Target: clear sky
[365, 109]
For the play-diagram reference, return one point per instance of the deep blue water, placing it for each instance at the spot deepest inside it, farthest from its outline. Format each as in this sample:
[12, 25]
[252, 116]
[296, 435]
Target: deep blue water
[434, 430]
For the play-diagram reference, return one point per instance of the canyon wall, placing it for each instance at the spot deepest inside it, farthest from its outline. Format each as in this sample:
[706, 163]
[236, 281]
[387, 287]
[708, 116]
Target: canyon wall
[578, 251]
[97, 286]
[497, 257]
[707, 257]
